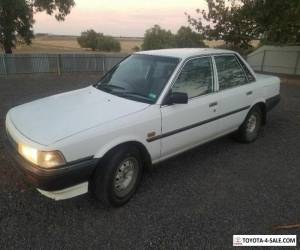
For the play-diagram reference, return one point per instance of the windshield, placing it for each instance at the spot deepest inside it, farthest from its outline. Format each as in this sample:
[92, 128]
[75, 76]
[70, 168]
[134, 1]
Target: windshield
[139, 77]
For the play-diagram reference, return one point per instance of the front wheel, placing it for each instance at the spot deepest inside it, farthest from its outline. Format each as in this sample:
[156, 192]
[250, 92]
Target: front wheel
[249, 130]
[118, 177]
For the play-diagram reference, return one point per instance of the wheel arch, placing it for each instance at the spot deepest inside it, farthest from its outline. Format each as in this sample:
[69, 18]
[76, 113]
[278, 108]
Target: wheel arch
[109, 150]
[262, 106]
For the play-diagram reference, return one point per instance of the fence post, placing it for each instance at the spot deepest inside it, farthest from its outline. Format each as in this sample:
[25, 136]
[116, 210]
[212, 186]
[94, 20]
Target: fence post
[263, 62]
[4, 65]
[297, 62]
[58, 59]
[103, 65]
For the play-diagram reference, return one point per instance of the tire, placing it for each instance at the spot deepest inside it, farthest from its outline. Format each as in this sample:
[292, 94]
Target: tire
[118, 176]
[249, 130]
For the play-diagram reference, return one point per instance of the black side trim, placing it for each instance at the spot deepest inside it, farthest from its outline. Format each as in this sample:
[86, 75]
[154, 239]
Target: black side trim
[272, 102]
[195, 125]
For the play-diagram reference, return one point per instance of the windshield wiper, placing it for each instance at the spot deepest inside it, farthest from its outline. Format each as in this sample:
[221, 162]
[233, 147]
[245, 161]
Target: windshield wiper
[135, 96]
[109, 87]
[130, 93]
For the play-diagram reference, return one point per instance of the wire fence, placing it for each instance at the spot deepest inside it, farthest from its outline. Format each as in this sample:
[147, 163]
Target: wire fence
[57, 63]
[271, 59]
[283, 60]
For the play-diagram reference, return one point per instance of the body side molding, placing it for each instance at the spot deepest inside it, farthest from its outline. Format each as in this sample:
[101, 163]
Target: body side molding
[195, 125]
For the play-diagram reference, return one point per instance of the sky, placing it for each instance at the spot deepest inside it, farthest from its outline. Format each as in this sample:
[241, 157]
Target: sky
[120, 17]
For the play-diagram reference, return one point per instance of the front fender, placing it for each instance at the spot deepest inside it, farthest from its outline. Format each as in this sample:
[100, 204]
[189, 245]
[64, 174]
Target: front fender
[116, 142]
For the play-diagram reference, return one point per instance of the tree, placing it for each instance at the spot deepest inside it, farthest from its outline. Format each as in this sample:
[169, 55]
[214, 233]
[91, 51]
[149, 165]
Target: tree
[187, 38]
[97, 41]
[16, 18]
[225, 20]
[240, 22]
[88, 39]
[278, 22]
[158, 38]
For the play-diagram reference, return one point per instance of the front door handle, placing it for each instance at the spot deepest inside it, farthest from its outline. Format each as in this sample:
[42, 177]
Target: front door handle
[213, 104]
[249, 93]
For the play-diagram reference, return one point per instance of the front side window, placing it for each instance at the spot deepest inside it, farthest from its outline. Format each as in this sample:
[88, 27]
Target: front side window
[230, 73]
[139, 77]
[196, 78]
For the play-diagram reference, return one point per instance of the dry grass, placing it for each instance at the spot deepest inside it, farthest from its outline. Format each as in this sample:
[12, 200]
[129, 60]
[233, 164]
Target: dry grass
[68, 44]
[128, 43]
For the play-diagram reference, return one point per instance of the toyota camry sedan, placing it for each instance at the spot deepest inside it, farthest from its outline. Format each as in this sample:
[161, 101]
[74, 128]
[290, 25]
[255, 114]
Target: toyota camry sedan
[151, 106]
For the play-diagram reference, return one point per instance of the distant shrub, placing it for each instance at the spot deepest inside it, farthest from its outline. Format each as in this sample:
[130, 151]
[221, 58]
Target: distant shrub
[158, 38]
[108, 43]
[136, 48]
[88, 39]
[97, 41]
[187, 38]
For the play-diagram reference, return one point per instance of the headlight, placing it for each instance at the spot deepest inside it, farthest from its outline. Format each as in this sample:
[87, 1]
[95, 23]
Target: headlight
[45, 159]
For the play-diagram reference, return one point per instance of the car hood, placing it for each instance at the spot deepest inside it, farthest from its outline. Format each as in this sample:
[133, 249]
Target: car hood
[54, 118]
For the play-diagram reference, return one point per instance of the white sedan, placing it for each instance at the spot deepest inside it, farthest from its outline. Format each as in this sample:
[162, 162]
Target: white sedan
[151, 106]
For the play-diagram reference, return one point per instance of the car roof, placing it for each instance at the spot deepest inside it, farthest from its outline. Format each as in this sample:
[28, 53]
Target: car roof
[184, 53]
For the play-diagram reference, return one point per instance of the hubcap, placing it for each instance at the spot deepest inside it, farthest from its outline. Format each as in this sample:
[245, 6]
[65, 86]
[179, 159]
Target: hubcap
[251, 124]
[125, 176]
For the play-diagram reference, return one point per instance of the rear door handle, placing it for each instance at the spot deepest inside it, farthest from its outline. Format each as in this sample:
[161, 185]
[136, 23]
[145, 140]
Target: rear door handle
[213, 104]
[249, 93]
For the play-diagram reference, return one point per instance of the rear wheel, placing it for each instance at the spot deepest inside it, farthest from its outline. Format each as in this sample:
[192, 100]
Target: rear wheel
[118, 177]
[249, 130]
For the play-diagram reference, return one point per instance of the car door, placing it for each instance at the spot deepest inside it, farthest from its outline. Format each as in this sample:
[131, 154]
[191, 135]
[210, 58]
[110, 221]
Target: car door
[186, 125]
[236, 92]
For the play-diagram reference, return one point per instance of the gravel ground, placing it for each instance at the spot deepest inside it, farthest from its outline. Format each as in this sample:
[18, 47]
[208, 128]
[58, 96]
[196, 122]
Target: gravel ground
[197, 200]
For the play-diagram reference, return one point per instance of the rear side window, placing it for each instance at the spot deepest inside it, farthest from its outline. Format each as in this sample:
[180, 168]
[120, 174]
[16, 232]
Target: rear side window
[250, 77]
[230, 72]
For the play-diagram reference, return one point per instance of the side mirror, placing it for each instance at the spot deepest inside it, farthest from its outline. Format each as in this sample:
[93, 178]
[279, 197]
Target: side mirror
[177, 98]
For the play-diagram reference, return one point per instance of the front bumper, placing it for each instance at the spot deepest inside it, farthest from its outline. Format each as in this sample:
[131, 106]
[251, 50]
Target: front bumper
[71, 174]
